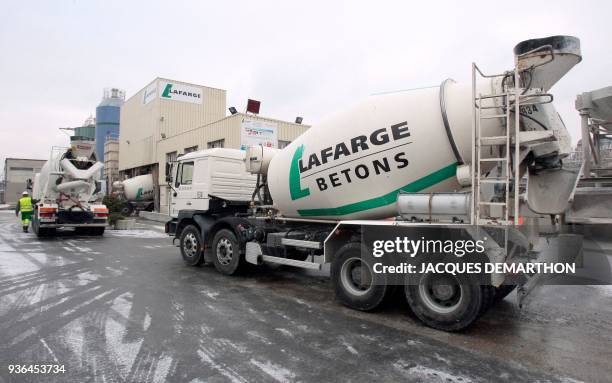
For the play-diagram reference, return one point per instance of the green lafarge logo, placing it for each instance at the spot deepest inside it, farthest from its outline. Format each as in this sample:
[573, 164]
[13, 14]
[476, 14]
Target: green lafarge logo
[295, 187]
[167, 90]
[181, 92]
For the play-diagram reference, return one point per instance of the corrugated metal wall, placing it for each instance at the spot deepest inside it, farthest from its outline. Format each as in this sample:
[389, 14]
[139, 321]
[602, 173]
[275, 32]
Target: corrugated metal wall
[138, 125]
[227, 129]
[143, 125]
[16, 173]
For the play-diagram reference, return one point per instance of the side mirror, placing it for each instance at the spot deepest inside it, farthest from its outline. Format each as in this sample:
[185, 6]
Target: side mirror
[29, 184]
[168, 172]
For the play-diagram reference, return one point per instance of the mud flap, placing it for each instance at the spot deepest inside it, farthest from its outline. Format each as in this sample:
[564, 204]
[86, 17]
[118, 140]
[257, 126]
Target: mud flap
[564, 248]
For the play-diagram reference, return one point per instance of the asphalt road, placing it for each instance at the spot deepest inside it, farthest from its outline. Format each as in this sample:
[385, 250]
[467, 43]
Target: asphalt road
[124, 308]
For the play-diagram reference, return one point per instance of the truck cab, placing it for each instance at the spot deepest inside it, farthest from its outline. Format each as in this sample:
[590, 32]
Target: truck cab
[199, 180]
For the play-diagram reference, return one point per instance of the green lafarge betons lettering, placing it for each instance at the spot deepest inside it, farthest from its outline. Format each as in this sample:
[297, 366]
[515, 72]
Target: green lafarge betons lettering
[295, 187]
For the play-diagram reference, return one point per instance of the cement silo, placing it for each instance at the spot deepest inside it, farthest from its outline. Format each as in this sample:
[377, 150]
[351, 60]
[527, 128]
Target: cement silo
[87, 130]
[107, 118]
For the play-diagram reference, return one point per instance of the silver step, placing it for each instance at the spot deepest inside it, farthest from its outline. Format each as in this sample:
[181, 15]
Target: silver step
[494, 181]
[301, 243]
[491, 116]
[291, 262]
[494, 221]
[492, 159]
[493, 140]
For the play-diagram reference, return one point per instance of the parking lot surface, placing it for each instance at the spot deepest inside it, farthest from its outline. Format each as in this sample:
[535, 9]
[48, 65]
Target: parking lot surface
[124, 308]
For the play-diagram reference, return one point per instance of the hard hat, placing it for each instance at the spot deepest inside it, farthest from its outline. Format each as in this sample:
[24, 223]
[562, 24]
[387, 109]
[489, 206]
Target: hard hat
[25, 192]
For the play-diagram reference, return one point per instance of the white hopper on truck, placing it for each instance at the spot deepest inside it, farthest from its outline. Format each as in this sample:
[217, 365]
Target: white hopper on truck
[441, 163]
[66, 191]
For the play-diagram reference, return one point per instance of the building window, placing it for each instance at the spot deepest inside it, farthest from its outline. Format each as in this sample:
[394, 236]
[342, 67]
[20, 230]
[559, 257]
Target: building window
[283, 144]
[20, 169]
[191, 149]
[216, 144]
[170, 157]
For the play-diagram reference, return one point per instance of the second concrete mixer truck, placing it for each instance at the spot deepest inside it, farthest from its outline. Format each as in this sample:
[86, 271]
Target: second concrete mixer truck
[136, 192]
[437, 164]
[66, 192]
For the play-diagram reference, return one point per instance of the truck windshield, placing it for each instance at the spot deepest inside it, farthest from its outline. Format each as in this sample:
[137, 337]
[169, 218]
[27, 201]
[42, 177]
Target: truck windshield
[186, 175]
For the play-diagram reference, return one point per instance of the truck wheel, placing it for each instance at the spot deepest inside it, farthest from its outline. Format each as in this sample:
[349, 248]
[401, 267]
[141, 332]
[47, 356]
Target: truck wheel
[127, 209]
[35, 224]
[445, 301]
[40, 232]
[227, 255]
[191, 246]
[488, 298]
[355, 283]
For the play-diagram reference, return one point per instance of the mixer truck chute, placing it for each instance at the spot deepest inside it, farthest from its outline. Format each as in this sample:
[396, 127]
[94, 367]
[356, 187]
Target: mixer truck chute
[441, 164]
[66, 192]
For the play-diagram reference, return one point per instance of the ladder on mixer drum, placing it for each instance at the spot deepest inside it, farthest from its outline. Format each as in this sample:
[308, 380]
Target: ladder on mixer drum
[486, 107]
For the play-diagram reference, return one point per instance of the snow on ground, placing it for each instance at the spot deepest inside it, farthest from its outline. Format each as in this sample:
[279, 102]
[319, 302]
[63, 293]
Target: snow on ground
[427, 374]
[13, 263]
[604, 289]
[135, 233]
[278, 373]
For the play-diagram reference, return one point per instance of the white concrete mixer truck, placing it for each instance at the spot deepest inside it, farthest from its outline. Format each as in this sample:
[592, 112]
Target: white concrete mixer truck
[434, 166]
[136, 192]
[66, 191]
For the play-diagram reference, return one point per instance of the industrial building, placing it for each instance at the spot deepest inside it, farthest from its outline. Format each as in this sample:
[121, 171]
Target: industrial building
[16, 173]
[168, 118]
[111, 161]
[107, 118]
[87, 130]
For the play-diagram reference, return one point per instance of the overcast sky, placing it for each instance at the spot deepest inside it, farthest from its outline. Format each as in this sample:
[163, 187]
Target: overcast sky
[305, 58]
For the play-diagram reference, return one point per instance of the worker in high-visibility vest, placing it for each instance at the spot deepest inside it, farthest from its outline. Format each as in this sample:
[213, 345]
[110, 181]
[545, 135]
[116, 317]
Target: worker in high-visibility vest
[25, 207]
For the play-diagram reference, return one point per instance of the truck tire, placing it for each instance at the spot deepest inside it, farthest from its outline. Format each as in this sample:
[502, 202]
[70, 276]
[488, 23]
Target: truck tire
[41, 232]
[355, 283]
[35, 224]
[488, 298]
[444, 301]
[127, 209]
[191, 246]
[227, 254]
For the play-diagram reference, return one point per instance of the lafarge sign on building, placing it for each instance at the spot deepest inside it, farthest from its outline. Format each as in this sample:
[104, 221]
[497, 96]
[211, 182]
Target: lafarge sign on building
[180, 92]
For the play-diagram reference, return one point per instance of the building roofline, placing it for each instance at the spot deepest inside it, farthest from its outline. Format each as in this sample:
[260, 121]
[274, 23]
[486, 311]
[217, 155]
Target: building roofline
[237, 115]
[169, 79]
[189, 83]
[23, 159]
